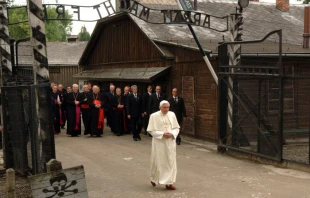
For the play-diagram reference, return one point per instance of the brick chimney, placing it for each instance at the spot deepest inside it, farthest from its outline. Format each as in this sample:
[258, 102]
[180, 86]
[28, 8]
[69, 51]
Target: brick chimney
[306, 34]
[72, 38]
[283, 5]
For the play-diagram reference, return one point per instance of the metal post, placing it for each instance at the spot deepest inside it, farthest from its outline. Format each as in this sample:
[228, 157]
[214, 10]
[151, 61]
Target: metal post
[12, 56]
[188, 6]
[234, 51]
[258, 114]
[309, 125]
[280, 112]
[205, 57]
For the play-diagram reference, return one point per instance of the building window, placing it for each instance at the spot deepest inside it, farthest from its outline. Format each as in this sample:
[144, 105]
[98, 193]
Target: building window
[288, 93]
[54, 69]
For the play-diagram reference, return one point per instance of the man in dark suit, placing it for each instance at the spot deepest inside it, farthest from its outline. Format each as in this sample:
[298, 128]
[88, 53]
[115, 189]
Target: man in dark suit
[178, 107]
[135, 112]
[155, 99]
[125, 98]
[74, 112]
[62, 95]
[85, 109]
[146, 101]
[108, 106]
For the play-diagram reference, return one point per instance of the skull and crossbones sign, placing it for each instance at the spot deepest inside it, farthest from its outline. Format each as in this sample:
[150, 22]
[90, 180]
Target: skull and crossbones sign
[60, 185]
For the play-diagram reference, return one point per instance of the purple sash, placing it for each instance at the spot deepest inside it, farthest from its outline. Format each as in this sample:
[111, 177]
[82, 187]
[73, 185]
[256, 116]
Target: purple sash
[77, 117]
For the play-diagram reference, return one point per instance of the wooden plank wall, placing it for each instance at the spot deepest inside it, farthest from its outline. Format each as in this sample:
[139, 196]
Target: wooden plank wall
[65, 77]
[302, 98]
[190, 63]
[122, 41]
[123, 45]
[297, 119]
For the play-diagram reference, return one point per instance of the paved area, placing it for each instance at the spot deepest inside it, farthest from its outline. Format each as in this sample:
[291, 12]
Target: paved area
[119, 167]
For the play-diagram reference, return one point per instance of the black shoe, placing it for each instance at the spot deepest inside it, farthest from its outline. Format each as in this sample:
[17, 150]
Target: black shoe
[139, 138]
[99, 136]
[178, 143]
[150, 135]
[135, 139]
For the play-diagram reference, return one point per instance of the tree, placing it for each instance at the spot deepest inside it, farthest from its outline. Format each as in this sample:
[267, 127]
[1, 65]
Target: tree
[84, 34]
[305, 1]
[56, 30]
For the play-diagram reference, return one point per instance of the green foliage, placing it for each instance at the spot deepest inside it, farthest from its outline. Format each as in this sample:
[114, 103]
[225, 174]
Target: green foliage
[56, 30]
[304, 1]
[84, 34]
[21, 30]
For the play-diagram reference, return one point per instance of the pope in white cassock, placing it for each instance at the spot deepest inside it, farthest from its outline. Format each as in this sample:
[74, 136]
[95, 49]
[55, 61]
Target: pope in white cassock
[164, 128]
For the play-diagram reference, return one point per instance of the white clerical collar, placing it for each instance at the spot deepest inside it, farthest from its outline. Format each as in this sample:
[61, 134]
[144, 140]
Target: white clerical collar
[163, 113]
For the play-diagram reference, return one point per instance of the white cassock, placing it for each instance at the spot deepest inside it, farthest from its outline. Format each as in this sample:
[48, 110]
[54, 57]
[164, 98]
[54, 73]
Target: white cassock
[163, 156]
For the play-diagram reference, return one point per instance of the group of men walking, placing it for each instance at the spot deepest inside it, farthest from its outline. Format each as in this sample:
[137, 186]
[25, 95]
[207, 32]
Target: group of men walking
[68, 106]
[126, 112]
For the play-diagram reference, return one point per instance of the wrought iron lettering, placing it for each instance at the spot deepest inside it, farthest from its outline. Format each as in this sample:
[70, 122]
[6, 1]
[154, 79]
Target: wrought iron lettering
[175, 17]
[142, 12]
[61, 12]
[77, 11]
[97, 8]
[145, 12]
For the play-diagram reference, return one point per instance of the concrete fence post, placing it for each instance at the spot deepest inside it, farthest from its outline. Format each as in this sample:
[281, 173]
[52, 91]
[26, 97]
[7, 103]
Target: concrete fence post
[53, 166]
[10, 183]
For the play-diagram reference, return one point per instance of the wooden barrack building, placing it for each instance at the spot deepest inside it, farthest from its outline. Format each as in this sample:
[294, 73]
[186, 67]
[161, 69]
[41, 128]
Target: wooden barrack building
[125, 50]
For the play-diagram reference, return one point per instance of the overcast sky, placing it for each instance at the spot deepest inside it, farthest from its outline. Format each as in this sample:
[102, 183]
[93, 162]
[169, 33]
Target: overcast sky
[85, 13]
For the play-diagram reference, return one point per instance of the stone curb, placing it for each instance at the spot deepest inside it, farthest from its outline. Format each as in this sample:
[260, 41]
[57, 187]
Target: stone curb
[239, 155]
[209, 146]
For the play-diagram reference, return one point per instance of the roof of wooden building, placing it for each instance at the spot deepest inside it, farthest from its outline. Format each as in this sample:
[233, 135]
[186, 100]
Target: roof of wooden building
[259, 20]
[129, 74]
[58, 53]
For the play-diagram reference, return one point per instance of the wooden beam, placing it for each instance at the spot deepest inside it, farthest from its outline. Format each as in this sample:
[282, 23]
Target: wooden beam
[4, 38]
[38, 39]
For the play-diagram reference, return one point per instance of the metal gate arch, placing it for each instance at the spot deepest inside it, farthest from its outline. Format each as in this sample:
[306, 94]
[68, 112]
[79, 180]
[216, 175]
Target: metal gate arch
[251, 132]
[264, 102]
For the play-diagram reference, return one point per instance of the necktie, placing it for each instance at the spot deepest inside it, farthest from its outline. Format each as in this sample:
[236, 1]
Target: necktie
[175, 99]
[136, 96]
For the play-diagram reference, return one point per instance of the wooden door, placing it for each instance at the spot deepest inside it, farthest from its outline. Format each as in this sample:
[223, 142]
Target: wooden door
[188, 93]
